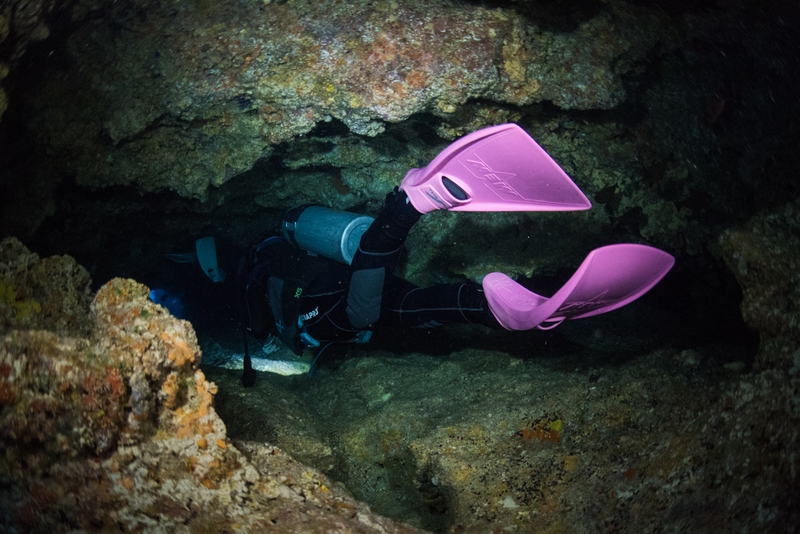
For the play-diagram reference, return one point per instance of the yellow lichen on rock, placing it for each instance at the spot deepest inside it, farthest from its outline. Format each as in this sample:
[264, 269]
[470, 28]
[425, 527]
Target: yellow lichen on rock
[512, 64]
[22, 308]
[517, 56]
[51, 294]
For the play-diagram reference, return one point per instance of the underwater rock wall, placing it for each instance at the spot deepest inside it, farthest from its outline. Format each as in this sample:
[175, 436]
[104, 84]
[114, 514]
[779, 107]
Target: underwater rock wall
[114, 428]
[674, 120]
[51, 294]
[103, 402]
[187, 95]
[22, 21]
[764, 255]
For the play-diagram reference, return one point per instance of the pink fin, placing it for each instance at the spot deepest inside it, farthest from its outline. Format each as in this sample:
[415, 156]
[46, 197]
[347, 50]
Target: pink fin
[500, 168]
[609, 278]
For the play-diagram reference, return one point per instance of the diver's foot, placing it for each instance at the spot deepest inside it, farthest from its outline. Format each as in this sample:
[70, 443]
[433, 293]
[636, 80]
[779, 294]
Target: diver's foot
[499, 168]
[402, 210]
[428, 196]
[610, 277]
[511, 304]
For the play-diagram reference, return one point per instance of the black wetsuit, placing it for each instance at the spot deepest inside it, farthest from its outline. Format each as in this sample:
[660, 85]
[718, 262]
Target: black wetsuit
[345, 300]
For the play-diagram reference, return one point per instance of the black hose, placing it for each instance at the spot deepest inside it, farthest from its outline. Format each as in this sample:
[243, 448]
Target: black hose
[248, 373]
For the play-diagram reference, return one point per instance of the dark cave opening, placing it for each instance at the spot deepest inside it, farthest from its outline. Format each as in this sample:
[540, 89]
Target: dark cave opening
[699, 300]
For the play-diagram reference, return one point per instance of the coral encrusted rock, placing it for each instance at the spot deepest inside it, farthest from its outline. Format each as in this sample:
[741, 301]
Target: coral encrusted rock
[185, 96]
[52, 294]
[116, 430]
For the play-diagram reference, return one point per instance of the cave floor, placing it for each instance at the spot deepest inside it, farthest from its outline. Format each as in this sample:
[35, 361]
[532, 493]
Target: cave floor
[594, 423]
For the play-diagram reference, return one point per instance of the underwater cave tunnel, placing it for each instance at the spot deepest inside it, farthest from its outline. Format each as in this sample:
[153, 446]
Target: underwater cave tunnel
[706, 131]
[122, 231]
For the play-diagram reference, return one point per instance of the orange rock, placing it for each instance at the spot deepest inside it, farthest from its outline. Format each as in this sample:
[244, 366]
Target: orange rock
[7, 394]
[171, 389]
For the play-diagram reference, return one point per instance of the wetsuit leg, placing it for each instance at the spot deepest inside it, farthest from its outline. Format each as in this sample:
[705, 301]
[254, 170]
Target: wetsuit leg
[376, 258]
[410, 306]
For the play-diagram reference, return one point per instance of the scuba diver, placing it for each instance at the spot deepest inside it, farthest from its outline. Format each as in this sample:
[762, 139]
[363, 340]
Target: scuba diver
[327, 276]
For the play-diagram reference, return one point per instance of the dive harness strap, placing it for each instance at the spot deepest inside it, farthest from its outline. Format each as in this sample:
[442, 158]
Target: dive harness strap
[284, 300]
[279, 274]
[248, 373]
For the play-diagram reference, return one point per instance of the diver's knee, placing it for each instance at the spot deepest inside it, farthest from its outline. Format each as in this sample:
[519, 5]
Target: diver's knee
[365, 296]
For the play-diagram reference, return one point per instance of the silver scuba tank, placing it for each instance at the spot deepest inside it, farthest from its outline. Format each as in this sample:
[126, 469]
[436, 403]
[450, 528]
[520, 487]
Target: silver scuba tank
[330, 233]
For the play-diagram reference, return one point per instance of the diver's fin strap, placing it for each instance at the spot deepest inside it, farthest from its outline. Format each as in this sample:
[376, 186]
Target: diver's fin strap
[550, 323]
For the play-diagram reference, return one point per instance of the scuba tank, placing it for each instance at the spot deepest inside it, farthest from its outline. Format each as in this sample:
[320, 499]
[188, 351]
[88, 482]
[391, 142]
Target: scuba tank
[330, 233]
